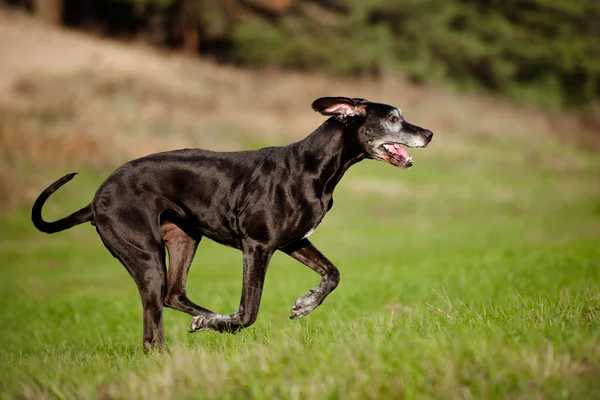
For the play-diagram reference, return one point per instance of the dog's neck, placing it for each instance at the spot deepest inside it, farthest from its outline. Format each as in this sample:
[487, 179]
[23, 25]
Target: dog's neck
[328, 153]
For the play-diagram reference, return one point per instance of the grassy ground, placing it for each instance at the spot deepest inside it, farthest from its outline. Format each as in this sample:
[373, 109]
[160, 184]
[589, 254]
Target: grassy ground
[483, 285]
[475, 274]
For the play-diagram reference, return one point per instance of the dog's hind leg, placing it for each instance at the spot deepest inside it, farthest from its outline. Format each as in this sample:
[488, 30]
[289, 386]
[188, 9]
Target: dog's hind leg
[308, 255]
[181, 248]
[138, 249]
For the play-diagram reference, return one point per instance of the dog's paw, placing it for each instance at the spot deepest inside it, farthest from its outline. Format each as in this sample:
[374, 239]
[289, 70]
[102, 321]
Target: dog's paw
[201, 323]
[216, 322]
[304, 306]
[198, 324]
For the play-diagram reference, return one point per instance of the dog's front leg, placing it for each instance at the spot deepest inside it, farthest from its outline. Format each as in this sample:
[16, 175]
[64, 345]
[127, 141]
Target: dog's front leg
[308, 255]
[256, 260]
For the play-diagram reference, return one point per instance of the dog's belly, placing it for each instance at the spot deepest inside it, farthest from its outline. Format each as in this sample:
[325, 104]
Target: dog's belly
[217, 226]
[221, 238]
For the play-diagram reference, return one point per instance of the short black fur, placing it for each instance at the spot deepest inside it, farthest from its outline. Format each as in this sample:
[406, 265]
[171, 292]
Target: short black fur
[257, 201]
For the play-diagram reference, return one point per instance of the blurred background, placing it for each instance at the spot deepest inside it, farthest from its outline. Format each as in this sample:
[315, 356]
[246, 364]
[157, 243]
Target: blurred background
[455, 66]
[542, 52]
[95, 82]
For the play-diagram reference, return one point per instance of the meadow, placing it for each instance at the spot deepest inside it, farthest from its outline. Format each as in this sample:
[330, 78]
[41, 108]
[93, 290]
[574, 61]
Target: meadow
[475, 274]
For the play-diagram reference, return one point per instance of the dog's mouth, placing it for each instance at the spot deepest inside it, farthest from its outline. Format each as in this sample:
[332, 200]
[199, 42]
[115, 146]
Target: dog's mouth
[396, 155]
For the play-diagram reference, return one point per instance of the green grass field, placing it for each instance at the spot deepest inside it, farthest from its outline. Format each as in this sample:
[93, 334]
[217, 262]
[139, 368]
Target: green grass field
[476, 274]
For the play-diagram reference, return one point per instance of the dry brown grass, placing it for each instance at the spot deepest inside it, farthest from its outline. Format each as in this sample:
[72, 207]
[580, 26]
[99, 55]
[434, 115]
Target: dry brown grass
[71, 99]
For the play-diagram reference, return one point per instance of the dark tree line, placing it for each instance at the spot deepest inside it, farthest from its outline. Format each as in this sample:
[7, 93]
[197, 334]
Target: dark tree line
[545, 52]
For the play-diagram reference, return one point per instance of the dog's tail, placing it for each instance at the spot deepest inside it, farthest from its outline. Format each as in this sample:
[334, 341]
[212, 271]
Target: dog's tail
[78, 217]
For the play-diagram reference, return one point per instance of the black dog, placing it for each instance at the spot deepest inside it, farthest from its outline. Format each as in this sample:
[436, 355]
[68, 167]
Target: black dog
[256, 201]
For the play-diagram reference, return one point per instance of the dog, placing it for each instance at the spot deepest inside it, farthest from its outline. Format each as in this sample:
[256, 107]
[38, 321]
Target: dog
[257, 201]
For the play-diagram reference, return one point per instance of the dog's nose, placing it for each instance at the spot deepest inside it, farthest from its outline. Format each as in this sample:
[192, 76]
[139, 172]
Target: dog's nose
[428, 135]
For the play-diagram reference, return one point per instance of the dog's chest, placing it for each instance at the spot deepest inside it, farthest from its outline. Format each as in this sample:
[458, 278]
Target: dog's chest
[316, 223]
[309, 233]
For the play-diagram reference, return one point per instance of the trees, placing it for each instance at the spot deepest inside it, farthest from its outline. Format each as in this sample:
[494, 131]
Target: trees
[545, 52]
[540, 51]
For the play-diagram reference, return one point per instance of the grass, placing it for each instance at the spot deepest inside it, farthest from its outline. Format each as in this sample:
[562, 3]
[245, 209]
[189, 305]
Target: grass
[476, 274]
[480, 286]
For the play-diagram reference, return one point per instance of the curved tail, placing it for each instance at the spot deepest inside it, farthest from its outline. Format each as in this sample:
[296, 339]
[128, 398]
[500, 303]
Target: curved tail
[78, 217]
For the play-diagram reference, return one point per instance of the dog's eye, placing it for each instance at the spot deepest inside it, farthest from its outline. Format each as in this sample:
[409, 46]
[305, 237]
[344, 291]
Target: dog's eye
[393, 119]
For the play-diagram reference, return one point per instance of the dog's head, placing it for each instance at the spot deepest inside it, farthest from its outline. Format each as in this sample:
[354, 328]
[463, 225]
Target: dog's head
[382, 131]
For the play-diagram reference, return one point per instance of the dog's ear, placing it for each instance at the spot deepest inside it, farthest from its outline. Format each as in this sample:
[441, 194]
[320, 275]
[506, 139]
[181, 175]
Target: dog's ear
[340, 107]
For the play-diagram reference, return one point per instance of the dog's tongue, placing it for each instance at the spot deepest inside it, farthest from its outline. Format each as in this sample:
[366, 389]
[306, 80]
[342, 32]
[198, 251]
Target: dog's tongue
[397, 149]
